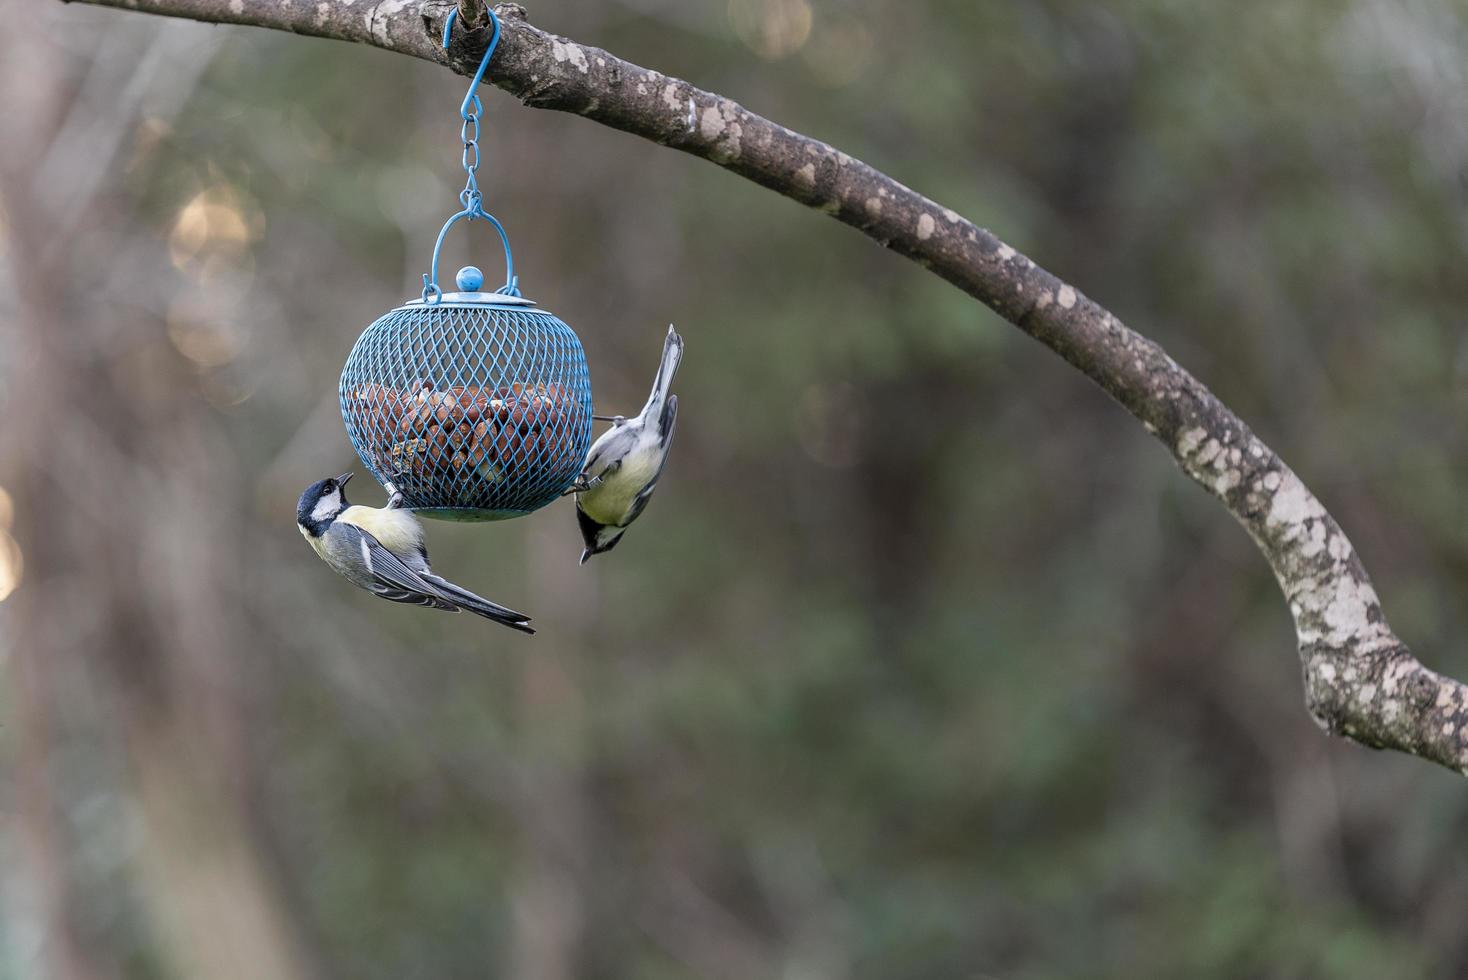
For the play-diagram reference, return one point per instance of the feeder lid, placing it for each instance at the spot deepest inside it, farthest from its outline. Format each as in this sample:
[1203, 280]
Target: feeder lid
[476, 299]
[469, 280]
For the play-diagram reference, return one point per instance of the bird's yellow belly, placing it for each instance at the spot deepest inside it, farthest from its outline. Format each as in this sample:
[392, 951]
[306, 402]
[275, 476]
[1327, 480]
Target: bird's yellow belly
[608, 502]
[397, 530]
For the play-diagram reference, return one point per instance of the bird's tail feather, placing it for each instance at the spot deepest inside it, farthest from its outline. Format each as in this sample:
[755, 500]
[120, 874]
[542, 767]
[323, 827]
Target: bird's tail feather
[480, 606]
[672, 354]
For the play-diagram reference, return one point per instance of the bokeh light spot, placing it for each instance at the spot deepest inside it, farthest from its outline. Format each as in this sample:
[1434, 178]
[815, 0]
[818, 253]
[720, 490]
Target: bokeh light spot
[10, 556]
[772, 29]
[216, 221]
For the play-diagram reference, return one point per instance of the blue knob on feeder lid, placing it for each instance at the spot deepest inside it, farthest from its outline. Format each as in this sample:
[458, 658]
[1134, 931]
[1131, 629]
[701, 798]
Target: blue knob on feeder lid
[469, 279]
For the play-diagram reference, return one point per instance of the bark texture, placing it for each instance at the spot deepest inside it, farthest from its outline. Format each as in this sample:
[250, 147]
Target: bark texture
[1360, 680]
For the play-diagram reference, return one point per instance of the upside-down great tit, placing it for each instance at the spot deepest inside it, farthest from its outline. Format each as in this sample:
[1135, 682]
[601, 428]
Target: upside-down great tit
[381, 550]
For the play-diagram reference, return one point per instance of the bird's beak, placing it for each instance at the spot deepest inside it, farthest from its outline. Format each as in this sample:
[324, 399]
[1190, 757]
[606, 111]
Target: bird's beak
[341, 481]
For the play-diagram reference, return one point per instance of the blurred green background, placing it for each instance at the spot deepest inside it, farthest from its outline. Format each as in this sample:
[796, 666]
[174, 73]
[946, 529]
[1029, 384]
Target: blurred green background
[924, 663]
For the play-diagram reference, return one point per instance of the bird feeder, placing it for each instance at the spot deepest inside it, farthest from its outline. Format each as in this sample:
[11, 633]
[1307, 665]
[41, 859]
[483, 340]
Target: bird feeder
[469, 405]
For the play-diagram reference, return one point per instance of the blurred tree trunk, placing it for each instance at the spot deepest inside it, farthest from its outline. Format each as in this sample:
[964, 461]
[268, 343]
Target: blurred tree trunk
[108, 435]
[550, 800]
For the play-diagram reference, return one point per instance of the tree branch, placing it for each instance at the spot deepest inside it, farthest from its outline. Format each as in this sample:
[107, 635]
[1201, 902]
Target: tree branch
[1360, 679]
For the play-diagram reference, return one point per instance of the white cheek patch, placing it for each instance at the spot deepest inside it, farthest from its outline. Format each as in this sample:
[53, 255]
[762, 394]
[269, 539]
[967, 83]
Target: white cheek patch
[327, 507]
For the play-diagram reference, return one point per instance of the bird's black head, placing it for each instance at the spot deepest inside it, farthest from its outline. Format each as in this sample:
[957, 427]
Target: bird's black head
[321, 503]
[599, 537]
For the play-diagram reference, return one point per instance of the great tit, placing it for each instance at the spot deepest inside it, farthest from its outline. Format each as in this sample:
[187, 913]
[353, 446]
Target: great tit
[381, 550]
[623, 466]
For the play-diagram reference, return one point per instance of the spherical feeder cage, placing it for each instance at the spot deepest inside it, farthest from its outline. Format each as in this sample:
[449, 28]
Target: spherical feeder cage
[473, 407]
[469, 405]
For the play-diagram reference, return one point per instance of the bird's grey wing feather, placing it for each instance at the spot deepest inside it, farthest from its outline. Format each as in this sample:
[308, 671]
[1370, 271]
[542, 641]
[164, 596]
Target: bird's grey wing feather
[367, 562]
[668, 422]
[613, 445]
[392, 579]
[639, 503]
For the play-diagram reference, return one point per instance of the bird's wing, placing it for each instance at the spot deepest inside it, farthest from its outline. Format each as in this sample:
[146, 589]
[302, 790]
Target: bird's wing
[668, 419]
[639, 502]
[391, 578]
[667, 423]
[607, 452]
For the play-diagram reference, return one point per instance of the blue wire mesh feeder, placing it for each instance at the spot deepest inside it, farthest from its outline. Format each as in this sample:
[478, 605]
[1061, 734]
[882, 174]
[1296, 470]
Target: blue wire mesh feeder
[469, 405]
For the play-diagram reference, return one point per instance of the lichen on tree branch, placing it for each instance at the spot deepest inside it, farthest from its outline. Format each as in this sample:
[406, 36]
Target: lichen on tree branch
[1360, 680]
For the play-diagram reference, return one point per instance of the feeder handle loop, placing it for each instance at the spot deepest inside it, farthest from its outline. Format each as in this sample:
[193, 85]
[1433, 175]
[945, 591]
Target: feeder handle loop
[472, 98]
[430, 281]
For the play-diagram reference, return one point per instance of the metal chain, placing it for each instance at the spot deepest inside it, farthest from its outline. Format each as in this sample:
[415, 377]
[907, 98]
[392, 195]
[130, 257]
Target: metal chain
[470, 197]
